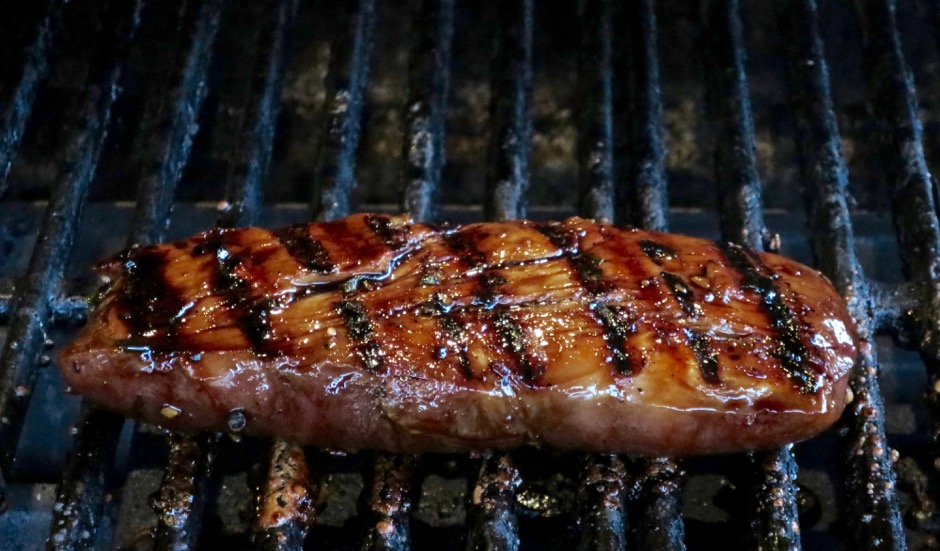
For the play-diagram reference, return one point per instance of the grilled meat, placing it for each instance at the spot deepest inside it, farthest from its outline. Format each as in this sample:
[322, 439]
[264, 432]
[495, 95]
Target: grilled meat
[375, 332]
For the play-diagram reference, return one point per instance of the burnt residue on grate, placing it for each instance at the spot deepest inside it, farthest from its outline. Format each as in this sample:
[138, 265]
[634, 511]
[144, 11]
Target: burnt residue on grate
[286, 500]
[184, 491]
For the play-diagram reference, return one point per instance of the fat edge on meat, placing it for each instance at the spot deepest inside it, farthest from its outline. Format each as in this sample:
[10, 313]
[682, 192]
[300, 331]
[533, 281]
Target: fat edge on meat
[373, 332]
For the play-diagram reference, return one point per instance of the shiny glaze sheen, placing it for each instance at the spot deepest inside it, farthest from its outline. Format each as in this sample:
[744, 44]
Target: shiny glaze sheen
[375, 332]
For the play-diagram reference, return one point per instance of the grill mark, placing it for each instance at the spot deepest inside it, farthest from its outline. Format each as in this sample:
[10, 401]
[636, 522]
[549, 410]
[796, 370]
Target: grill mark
[251, 317]
[348, 242]
[657, 252]
[304, 249]
[617, 329]
[361, 332]
[454, 331]
[707, 362]
[449, 324]
[354, 313]
[464, 248]
[587, 266]
[487, 293]
[148, 301]
[513, 339]
[791, 352]
[394, 237]
[564, 240]
[508, 330]
[699, 342]
[615, 322]
[682, 293]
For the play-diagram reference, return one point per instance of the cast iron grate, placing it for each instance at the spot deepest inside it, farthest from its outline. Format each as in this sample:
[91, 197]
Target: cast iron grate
[523, 499]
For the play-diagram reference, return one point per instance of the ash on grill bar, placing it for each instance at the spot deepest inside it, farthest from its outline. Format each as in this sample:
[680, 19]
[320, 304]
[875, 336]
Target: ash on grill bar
[794, 127]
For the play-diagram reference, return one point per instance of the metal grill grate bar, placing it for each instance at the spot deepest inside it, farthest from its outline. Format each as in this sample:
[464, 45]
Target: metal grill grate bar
[72, 309]
[913, 194]
[285, 500]
[648, 148]
[915, 214]
[491, 511]
[601, 498]
[387, 504]
[386, 499]
[35, 71]
[244, 187]
[659, 518]
[775, 523]
[429, 84]
[658, 504]
[869, 477]
[158, 185]
[27, 331]
[596, 111]
[335, 171]
[190, 465]
[184, 491]
[730, 110]
[507, 177]
[602, 494]
[81, 492]
[775, 518]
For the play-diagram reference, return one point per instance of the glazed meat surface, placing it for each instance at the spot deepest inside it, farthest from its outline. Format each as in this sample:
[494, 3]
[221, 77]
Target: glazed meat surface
[372, 332]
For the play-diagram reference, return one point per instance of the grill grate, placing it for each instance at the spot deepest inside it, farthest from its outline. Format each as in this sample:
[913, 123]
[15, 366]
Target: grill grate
[336, 164]
[81, 493]
[617, 502]
[21, 104]
[870, 477]
[775, 522]
[26, 333]
[188, 476]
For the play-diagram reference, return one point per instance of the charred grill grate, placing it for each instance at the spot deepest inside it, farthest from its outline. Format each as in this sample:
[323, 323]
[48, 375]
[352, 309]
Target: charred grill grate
[512, 500]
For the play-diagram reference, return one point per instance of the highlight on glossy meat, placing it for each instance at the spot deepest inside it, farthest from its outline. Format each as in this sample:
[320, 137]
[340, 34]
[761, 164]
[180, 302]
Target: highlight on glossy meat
[373, 332]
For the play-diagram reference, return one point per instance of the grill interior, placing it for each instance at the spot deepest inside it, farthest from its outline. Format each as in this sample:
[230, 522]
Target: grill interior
[131, 123]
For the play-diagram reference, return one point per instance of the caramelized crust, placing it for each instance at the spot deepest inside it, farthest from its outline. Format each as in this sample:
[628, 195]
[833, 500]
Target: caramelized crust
[375, 332]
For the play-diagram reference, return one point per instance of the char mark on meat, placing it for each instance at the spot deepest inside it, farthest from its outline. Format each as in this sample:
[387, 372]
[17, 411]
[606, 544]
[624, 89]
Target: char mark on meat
[362, 333]
[792, 352]
[657, 252]
[453, 330]
[149, 304]
[394, 236]
[304, 249]
[613, 320]
[698, 341]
